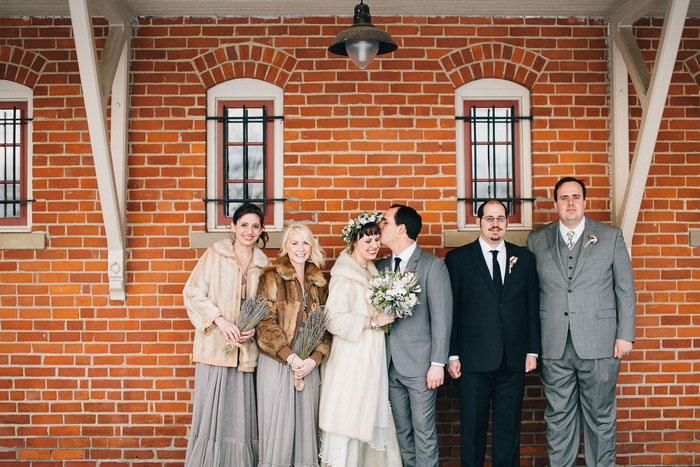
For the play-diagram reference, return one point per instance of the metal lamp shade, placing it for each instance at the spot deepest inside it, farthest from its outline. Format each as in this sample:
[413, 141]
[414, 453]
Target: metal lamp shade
[362, 32]
[362, 35]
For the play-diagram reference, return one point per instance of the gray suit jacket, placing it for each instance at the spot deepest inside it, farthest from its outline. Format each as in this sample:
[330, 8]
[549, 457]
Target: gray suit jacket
[424, 337]
[597, 305]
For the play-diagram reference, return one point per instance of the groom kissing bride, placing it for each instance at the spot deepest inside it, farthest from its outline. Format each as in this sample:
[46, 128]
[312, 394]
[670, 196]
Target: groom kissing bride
[417, 347]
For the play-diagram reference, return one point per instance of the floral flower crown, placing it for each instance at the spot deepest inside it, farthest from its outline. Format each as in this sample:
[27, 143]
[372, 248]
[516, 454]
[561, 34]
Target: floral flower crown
[356, 224]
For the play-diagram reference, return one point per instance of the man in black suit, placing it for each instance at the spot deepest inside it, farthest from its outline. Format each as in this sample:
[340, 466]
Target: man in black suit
[495, 336]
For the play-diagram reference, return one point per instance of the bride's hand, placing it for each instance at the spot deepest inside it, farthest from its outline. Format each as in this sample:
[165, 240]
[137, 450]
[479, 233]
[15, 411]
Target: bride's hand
[383, 319]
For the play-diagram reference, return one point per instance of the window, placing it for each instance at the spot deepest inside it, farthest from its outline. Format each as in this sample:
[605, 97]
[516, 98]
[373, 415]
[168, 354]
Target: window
[493, 150]
[244, 150]
[15, 156]
[245, 155]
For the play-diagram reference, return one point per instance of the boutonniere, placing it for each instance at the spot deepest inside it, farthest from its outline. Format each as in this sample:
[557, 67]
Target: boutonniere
[511, 263]
[592, 240]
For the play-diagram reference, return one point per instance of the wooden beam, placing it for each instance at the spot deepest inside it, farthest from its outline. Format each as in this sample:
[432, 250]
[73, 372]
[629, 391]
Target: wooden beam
[119, 121]
[119, 31]
[113, 212]
[651, 116]
[110, 58]
[626, 44]
[631, 11]
[120, 124]
[619, 124]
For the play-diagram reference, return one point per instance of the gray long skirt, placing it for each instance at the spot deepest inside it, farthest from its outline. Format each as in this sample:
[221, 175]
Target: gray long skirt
[224, 426]
[288, 418]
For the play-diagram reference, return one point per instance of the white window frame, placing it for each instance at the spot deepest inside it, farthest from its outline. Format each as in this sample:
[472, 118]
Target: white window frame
[244, 89]
[491, 89]
[11, 91]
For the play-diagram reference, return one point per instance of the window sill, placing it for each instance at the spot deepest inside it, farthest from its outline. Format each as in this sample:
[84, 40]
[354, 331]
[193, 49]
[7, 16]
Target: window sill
[203, 240]
[22, 241]
[457, 238]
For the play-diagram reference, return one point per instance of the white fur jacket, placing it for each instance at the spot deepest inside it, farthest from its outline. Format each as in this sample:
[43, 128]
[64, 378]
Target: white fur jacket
[350, 387]
[213, 290]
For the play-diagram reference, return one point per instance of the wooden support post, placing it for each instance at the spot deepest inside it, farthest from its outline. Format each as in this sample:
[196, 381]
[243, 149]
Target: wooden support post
[109, 159]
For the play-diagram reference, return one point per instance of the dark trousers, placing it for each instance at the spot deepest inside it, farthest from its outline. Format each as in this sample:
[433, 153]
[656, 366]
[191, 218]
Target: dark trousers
[477, 392]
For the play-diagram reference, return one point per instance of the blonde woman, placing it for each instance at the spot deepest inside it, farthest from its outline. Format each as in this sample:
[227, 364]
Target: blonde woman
[224, 424]
[287, 417]
[357, 428]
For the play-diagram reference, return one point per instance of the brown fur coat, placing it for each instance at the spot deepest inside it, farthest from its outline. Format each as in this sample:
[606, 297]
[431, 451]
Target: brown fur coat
[277, 332]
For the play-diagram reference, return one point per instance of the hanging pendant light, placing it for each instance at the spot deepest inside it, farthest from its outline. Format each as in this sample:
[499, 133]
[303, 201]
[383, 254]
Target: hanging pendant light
[362, 41]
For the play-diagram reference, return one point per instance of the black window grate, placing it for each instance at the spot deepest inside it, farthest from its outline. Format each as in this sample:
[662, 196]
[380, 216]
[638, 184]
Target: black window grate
[492, 148]
[244, 141]
[11, 163]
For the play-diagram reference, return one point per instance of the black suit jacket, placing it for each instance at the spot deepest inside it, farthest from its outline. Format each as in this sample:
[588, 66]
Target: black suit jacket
[485, 324]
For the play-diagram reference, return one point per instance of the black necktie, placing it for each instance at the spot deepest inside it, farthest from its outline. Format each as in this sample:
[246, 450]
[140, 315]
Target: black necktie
[496, 273]
[397, 264]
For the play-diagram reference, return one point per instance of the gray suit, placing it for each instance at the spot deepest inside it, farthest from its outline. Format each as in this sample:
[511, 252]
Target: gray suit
[586, 303]
[413, 343]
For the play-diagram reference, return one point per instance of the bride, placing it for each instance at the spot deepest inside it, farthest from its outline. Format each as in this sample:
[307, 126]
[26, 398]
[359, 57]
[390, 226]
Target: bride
[357, 427]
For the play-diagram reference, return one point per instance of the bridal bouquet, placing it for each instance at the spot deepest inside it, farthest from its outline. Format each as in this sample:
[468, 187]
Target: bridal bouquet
[253, 310]
[314, 331]
[394, 293]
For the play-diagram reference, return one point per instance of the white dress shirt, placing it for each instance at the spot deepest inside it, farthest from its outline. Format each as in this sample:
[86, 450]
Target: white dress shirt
[405, 255]
[578, 231]
[488, 257]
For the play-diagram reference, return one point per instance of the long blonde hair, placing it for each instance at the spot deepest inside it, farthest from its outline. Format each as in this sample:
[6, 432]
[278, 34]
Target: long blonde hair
[317, 256]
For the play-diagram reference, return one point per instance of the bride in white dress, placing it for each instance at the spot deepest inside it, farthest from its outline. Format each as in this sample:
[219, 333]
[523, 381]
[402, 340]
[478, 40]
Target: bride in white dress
[357, 427]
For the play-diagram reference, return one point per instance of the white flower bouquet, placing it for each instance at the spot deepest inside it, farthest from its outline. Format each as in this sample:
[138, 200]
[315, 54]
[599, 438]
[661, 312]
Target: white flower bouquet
[394, 293]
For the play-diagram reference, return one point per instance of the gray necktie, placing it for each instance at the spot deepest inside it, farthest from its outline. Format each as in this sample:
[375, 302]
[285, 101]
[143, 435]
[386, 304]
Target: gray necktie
[570, 239]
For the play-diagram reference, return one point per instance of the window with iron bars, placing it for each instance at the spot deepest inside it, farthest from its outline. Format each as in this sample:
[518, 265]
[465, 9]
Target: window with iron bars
[246, 157]
[492, 155]
[13, 163]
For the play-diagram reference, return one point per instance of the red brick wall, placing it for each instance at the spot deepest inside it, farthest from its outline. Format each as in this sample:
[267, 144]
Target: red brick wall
[88, 380]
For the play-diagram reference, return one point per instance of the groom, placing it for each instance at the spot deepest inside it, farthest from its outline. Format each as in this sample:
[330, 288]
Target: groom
[418, 345]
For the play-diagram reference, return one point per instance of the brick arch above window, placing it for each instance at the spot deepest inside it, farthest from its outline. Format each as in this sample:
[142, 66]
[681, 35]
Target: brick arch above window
[692, 64]
[493, 60]
[245, 60]
[21, 66]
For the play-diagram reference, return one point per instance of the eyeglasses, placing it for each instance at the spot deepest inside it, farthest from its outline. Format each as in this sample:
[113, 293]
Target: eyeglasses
[491, 218]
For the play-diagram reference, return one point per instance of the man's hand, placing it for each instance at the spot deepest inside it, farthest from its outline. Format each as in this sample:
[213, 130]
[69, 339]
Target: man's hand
[530, 363]
[436, 376]
[454, 369]
[622, 348]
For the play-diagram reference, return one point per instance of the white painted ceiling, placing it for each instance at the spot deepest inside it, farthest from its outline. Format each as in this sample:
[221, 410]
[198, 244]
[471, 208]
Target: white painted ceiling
[274, 8]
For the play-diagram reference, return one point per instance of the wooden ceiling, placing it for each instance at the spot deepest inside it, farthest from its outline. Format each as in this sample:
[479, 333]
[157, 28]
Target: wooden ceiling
[274, 8]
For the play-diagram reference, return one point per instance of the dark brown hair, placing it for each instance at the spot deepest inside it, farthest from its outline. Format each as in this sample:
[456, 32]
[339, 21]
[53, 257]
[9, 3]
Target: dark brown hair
[366, 230]
[250, 208]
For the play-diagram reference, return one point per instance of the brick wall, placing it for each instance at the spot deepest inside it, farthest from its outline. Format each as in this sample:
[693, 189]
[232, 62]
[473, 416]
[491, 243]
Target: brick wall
[89, 381]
